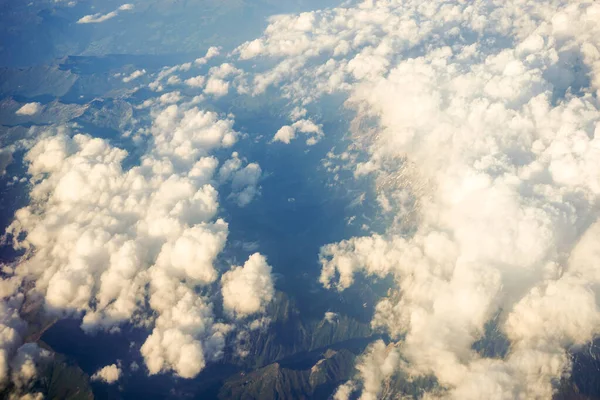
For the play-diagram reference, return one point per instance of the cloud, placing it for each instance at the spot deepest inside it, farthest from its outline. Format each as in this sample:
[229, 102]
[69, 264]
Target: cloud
[248, 289]
[6, 159]
[217, 83]
[210, 53]
[309, 127]
[134, 75]
[216, 87]
[19, 363]
[244, 181]
[108, 374]
[99, 17]
[477, 125]
[26, 367]
[292, 32]
[185, 336]
[29, 109]
[287, 133]
[151, 237]
[480, 140]
[375, 367]
[170, 98]
[173, 80]
[330, 317]
[11, 330]
[343, 392]
[167, 73]
[197, 81]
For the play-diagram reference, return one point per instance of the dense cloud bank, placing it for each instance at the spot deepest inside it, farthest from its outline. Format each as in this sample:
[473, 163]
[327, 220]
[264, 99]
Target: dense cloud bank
[485, 158]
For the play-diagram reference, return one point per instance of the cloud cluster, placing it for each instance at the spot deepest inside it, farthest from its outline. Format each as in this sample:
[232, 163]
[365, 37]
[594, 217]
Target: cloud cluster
[216, 83]
[99, 17]
[136, 245]
[167, 73]
[480, 126]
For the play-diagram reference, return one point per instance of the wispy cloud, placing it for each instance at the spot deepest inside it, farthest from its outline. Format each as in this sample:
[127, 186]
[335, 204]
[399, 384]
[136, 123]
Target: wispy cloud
[99, 17]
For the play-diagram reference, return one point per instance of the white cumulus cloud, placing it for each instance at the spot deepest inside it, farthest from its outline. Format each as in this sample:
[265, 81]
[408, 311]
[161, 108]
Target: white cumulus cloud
[216, 87]
[210, 53]
[134, 75]
[287, 133]
[248, 289]
[108, 374]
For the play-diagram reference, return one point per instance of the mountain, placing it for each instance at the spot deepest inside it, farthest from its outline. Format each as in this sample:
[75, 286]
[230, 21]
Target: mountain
[276, 381]
[290, 333]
